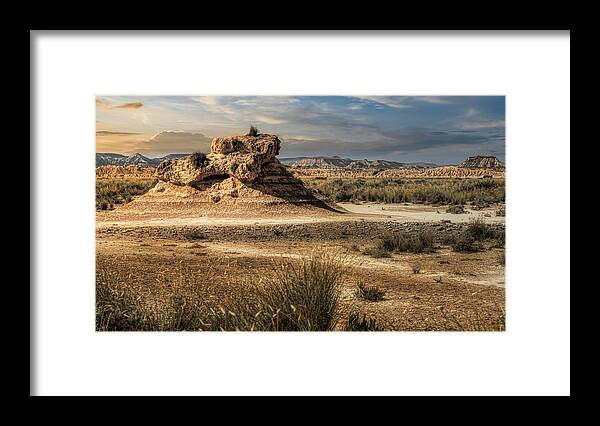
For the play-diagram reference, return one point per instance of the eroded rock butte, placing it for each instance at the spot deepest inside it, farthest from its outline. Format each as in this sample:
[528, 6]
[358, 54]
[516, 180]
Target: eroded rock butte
[241, 157]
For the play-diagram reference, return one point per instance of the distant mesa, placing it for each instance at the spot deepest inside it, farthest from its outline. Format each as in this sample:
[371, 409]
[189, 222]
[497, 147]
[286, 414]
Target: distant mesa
[482, 162]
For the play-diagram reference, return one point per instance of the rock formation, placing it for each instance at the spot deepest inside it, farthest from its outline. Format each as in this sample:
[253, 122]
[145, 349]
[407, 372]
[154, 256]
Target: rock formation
[482, 162]
[241, 176]
[241, 157]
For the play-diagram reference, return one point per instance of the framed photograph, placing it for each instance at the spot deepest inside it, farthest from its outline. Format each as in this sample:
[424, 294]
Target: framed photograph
[214, 210]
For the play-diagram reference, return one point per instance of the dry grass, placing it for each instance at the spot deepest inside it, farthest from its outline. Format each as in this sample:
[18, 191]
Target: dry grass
[111, 192]
[429, 191]
[297, 297]
[356, 323]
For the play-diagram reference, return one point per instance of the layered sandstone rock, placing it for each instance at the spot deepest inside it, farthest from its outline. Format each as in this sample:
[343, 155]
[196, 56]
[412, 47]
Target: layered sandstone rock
[241, 157]
[241, 176]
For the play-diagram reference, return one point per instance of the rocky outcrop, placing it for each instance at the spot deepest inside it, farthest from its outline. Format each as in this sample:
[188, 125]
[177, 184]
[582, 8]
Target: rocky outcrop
[240, 178]
[482, 162]
[240, 157]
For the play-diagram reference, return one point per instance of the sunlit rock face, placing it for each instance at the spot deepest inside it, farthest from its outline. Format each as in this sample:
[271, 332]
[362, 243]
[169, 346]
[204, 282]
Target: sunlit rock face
[240, 157]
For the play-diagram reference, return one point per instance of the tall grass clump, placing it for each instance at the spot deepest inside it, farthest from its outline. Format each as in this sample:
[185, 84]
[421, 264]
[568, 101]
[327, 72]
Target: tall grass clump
[356, 323]
[300, 296]
[303, 297]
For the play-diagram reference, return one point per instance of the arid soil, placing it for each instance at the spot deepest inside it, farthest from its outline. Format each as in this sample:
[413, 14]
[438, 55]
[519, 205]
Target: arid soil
[444, 290]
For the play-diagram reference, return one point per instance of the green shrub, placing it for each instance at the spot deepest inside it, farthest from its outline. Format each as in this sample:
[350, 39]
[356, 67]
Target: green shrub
[193, 234]
[499, 238]
[418, 242]
[465, 242]
[479, 230]
[457, 209]
[370, 293]
[198, 159]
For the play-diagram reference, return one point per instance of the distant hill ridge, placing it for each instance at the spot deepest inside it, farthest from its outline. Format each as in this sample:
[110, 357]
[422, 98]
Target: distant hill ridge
[112, 159]
[347, 163]
[322, 163]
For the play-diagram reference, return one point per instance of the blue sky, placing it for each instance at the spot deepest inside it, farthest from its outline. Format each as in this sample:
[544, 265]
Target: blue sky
[439, 129]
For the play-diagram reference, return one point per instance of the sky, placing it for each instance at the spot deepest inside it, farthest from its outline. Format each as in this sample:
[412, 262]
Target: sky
[437, 129]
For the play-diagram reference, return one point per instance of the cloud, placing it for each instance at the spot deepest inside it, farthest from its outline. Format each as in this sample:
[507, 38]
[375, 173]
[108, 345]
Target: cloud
[106, 105]
[130, 105]
[385, 145]
[399, 102]
[404, 102]
[482, 124]
[174, 141]
[474, 120]
[277, 111]
[439, 100]
[167, 141]
[109, 133]
[270, 120]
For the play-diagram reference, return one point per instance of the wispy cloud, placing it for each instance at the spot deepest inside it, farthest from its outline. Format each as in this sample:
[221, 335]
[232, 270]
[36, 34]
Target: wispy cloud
[107, 105]
[399, 102]
[404, 102]
[440, 100]
[174, 141]
[475, 120]
[109, 133]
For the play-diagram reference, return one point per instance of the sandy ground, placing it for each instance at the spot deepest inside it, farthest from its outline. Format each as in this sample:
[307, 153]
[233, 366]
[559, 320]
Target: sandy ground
[421, 213]
[403, 213]
[451, 291]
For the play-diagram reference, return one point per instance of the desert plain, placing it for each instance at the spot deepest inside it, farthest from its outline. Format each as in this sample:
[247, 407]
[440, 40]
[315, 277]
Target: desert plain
[193, 252]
